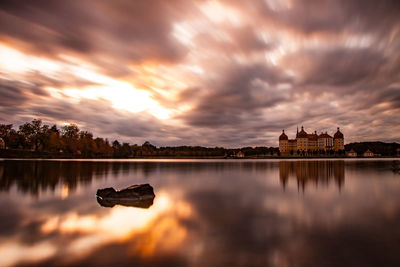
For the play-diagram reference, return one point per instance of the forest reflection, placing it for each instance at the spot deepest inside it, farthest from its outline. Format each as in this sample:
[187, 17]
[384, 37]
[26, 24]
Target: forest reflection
[33, 176]
[315, 172]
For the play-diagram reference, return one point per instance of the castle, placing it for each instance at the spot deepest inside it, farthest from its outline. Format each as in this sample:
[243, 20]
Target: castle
[311, 143]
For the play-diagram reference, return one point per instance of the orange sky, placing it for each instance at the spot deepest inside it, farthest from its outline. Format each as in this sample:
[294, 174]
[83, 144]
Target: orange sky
[230, 73]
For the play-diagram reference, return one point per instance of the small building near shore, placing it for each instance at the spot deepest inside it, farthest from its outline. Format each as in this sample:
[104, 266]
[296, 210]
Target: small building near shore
[368, 153]
[240, 154]
[352, 153]
[2, 144]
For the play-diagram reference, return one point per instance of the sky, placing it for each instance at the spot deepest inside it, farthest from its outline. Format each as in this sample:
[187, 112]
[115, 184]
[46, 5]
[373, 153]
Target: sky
[209, 73]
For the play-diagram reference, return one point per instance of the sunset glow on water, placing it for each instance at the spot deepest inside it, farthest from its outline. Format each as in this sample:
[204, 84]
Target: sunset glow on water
[214, 213]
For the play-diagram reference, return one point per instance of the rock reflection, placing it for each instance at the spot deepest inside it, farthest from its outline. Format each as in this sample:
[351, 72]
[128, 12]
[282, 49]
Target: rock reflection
[316, 172]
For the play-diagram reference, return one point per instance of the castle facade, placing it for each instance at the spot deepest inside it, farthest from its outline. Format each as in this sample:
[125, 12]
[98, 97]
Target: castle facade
[311, 143]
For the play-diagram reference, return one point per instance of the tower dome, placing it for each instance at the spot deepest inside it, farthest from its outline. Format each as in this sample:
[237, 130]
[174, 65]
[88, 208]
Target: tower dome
[283, 136]
[338, 134]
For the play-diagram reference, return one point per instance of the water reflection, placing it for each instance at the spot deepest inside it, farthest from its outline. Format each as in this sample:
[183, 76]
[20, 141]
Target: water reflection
[316, 172]
[35, 176]
[135, 203]
[205, 214]
[32, 177]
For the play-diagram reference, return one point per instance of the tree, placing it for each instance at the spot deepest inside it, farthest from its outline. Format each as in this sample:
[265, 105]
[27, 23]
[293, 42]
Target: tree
[53, 141]
[103, 147]
[135, 150]
[87, 145]
[55, 129]
[14, 140]
[126, 150]
[32, 134]
[5, 132]
[117, 148]
[70, 135]
[148, 149]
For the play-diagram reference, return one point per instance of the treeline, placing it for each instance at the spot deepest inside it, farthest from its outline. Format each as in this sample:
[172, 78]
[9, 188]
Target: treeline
[38, 137]
[381, 148]
[35, 138]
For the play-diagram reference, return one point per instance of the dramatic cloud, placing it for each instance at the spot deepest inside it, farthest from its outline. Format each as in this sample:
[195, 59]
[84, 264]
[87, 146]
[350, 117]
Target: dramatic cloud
[203, 72]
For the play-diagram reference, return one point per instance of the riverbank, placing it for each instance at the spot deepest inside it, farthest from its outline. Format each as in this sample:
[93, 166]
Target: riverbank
[28, 154]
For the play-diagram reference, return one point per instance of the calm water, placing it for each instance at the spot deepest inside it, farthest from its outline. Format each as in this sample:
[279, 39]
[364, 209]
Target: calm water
[205, 213]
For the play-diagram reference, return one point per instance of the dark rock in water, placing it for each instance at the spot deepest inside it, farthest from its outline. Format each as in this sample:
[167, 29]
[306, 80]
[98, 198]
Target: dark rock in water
[140, 196]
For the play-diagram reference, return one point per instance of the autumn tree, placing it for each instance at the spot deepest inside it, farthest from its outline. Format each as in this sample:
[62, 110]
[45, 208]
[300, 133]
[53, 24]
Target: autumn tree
[5, 133]
[53, 141]
[87, 145]
[32, 134]
[103, 147]
[70, 136]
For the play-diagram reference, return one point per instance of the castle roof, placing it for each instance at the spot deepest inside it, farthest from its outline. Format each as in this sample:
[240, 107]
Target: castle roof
[283, 136]
[313, 136]
[302, 133]
[324, 135]
[338, 134]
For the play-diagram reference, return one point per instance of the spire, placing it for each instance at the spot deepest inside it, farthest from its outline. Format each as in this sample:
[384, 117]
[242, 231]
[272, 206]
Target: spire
[302, 128]
[297, 129]
[338, 129]
[283, 131]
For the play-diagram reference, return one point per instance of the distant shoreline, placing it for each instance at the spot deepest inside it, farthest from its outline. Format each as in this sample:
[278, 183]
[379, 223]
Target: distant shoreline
[66, 157]
[148, 151]
[37, 140]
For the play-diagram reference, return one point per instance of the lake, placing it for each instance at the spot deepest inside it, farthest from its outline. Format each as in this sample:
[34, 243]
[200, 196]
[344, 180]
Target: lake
[205, 213]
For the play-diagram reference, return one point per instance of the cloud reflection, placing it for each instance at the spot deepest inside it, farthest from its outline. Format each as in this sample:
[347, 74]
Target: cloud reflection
[206, 213]
[145, 232]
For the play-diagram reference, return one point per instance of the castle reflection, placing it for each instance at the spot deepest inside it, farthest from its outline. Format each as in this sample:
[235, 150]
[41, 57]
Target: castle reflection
[315, 172]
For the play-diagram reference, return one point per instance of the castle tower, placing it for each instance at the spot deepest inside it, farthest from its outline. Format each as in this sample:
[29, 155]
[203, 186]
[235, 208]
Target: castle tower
[338, 140]
[302, 140]
[283, 142]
